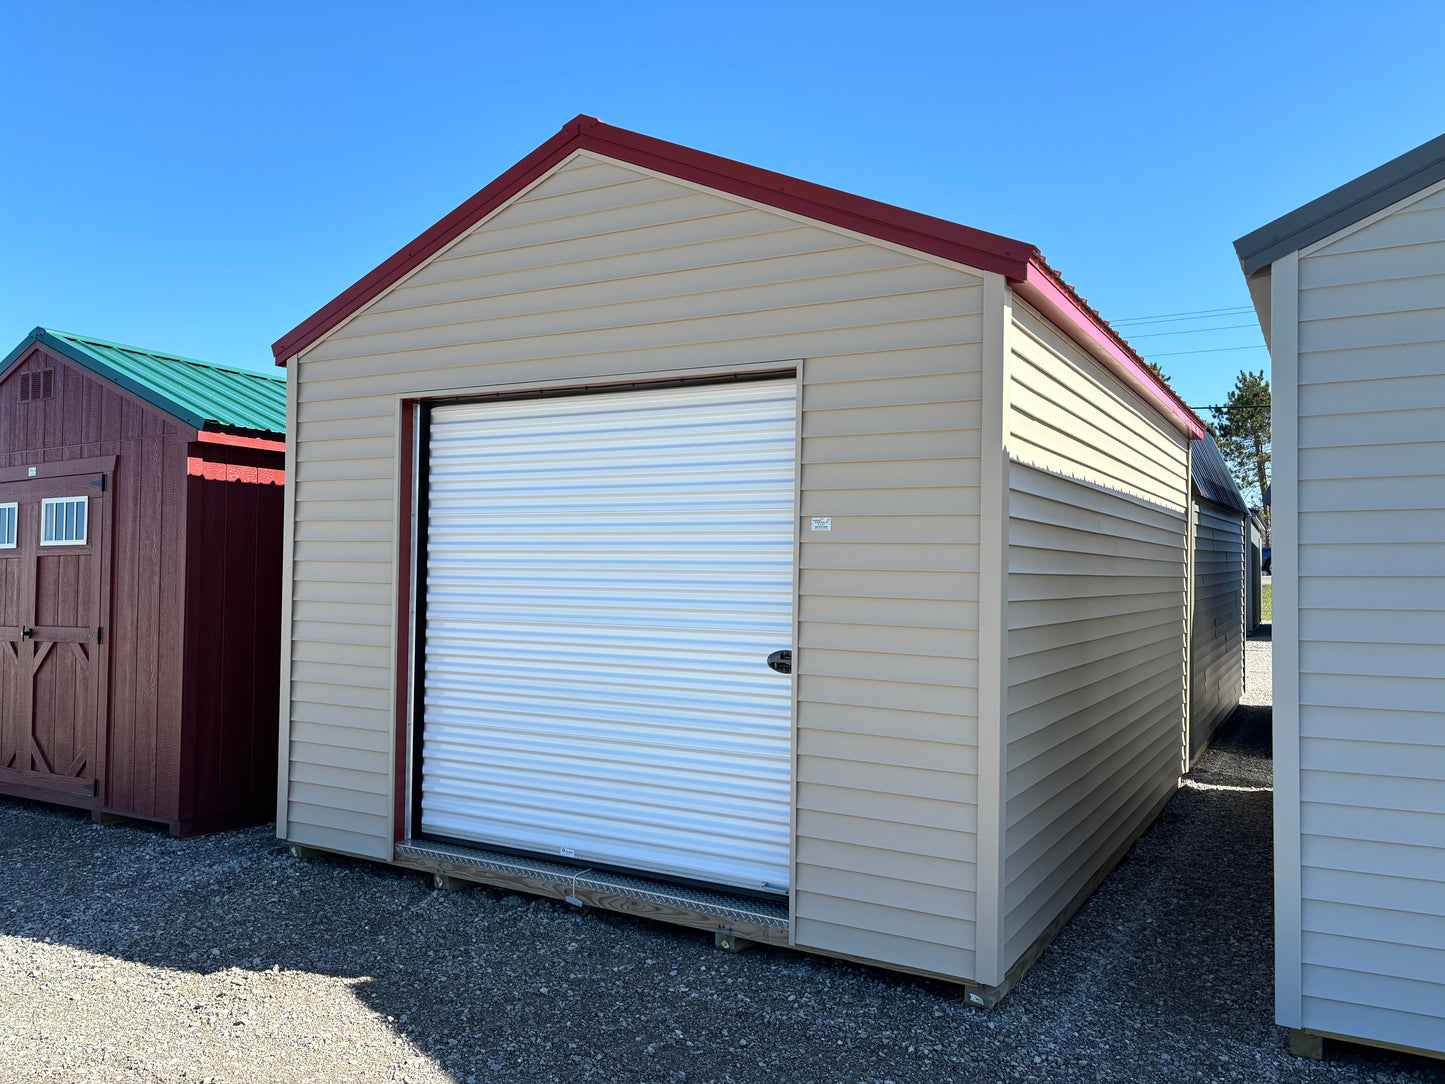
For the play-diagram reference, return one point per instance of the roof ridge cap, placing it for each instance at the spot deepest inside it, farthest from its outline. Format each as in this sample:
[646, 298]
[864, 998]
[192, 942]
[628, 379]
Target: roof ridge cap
[162, 355]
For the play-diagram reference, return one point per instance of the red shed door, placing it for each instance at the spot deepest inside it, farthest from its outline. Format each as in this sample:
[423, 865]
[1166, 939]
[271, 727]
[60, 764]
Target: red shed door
[52, 602]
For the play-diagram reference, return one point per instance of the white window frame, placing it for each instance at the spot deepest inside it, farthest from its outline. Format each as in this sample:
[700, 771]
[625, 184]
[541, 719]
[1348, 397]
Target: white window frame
[47, 502]
[14, 509]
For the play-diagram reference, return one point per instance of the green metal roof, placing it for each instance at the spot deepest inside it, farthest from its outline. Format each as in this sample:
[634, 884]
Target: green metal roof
[198, 393]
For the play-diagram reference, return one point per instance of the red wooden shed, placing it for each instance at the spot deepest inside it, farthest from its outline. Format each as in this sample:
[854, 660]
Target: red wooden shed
[140, 582]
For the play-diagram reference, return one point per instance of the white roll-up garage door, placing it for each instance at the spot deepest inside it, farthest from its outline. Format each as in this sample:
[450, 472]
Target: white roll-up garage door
[606, 575]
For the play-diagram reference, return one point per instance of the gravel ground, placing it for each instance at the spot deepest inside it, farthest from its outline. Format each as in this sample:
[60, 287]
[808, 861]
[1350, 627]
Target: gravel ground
[128, 956]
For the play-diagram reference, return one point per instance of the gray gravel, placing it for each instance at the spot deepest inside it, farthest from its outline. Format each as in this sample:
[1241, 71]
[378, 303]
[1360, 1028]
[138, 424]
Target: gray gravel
[128, 956]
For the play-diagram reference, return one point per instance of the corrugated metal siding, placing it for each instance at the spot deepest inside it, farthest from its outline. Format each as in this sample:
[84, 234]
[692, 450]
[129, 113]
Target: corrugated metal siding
[1096, 609]
[1216, 637]
[1371, 565]
[606, 577]
[602, 270]
[1211, 475]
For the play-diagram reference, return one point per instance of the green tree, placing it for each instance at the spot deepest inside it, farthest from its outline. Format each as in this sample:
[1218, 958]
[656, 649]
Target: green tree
[1242, 433]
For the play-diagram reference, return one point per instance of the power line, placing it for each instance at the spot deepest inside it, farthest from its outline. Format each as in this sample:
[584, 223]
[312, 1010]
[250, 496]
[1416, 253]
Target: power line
[1226, 407]
[1191, 331]
[1185, 319]
[1216, 350]
[1200, 313]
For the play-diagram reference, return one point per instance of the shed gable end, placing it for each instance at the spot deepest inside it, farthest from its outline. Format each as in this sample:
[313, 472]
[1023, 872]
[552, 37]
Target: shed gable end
[80, 409]
[598, 244]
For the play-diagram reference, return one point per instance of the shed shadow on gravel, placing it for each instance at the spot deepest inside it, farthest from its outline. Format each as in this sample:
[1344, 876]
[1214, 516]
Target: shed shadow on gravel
[1166, 974]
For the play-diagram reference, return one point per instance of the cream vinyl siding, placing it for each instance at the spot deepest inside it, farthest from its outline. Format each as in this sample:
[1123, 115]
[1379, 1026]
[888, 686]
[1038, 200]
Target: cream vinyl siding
[1096, 609]
[1216, 638]
[601, 271]
[1371, 621]
[1071, 417]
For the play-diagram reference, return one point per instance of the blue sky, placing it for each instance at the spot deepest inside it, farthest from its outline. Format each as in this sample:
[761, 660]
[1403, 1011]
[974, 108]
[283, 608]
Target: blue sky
[199, 177]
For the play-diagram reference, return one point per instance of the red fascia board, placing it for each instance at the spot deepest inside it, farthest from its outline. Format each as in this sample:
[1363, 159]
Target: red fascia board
[923, 233]
[1042, 288]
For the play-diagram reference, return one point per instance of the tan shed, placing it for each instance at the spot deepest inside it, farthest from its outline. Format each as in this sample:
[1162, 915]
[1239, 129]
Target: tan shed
[675, 536]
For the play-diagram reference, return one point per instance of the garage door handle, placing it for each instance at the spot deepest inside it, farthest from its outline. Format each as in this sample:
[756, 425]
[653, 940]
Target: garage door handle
[26, 632]
[781, 661]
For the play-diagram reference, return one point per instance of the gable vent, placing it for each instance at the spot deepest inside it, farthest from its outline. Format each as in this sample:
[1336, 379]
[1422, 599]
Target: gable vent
[37, 385]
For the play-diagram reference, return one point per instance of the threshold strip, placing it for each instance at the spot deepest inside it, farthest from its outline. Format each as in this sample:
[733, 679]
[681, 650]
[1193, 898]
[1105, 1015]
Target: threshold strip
[684, 898]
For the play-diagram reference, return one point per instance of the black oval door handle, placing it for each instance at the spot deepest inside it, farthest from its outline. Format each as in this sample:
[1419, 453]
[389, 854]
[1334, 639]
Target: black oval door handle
[781, 661]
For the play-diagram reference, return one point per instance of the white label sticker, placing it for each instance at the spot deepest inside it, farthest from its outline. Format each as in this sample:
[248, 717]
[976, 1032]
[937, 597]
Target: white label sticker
[822, 523]
[31, 473]
[568, 852]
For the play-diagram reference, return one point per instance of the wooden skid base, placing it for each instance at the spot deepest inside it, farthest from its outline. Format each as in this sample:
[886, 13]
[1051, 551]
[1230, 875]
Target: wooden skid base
[1308, 1043]
[731, 942]
[1304, 1045]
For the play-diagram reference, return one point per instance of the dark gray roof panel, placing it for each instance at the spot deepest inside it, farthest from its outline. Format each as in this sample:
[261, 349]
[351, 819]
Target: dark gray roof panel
[1212, 477]
[1343, 207]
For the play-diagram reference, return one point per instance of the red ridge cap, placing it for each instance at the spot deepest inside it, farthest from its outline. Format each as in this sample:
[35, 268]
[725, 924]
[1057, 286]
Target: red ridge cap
[1046, 290]
[923, 233]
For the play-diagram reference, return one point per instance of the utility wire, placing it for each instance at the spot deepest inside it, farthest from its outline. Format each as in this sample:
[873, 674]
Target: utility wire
[1182, 315]
[1191, 331]
[1184, 319]
[1216, 350]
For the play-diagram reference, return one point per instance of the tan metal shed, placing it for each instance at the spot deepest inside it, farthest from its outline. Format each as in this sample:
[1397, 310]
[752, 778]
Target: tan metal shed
[1350, 291]
[571, 467]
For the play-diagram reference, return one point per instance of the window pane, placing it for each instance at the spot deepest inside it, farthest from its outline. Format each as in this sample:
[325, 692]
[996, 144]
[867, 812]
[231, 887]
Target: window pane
[63, 520]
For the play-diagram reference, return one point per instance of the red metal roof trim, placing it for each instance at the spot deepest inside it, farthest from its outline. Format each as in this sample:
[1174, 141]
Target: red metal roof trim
[235, 440]
[1045, 289]
[1019, 261]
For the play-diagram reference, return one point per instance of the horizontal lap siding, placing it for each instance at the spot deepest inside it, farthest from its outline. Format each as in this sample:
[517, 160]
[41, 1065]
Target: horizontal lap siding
[1216, 641]
[603, 271]
[1096, 593]
[886, 740]
[1072, 418]
[1372, 629]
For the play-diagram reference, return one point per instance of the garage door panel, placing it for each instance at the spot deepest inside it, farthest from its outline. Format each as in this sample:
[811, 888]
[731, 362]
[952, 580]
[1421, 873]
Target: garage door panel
[606, 576]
